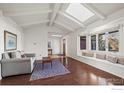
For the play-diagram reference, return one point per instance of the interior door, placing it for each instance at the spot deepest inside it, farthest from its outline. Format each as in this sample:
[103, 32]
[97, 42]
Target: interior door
[64, 47]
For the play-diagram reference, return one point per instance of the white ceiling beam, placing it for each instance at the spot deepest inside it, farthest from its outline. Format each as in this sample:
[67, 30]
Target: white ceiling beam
[72, 18]
[27, 13]
[33, 23]
[65, 6]
[66, 27]
[94, 10]
[54, 13]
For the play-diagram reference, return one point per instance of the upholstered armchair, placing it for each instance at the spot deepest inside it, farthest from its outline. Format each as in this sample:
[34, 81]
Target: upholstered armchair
[13, 63]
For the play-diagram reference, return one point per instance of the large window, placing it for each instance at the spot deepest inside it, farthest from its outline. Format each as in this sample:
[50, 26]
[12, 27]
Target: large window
[113, 41]
[93, 42]
[82, 42]
[107, 41]
[102, 42]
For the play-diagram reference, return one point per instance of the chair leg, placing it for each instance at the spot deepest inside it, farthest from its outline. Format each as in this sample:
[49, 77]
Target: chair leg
[51, 64]
[42, 65]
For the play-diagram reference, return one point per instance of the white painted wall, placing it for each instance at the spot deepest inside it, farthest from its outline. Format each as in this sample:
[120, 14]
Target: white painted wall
[73, 41]
[35, 41]
[9, 25]
[71, 44]
[55, 44]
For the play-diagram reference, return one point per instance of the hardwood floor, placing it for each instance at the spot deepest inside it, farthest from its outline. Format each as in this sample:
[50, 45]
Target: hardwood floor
[81, 74]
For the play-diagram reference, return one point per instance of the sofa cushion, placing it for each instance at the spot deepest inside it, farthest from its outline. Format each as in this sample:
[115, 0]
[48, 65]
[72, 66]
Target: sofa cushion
[83, 53]
[121, 60]
[101, 56]
[13, 54]
[89, 54]
[6, 56]
[112, 59]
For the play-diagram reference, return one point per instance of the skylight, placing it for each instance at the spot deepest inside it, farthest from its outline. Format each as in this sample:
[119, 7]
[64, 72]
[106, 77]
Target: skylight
[80, 12]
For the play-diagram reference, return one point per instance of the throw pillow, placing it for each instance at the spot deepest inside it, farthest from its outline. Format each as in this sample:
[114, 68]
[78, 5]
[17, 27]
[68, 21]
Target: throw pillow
[13, 54]
[6, 56]
[112, 59]
[101, 56]
[18, 54]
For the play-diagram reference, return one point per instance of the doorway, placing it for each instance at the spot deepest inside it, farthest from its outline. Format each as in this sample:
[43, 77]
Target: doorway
[64, 47]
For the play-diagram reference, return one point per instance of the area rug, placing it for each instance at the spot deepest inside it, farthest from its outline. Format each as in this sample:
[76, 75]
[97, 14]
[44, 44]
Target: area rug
[57, 69]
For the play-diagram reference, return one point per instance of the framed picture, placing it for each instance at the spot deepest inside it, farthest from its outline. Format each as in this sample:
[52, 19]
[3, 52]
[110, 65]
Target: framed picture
[10, 41]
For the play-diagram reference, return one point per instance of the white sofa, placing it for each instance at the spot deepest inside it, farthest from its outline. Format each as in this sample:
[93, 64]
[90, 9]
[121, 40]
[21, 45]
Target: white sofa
[13, 63]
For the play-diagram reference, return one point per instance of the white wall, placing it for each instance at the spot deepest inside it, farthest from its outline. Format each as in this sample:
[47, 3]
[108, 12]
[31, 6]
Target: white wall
[71, 44]
[55, 44]
[9, 25]
[35, 41]
[111, 21]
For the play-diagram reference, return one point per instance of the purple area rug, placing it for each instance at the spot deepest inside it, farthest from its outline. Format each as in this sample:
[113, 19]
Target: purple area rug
[57, 69]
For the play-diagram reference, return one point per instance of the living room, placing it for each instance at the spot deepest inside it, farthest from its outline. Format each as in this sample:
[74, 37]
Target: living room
[90, 48]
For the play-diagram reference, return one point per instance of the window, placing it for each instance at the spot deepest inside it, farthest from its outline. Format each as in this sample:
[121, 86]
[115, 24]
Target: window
[82, 42]
[101, 42]
[93, 42]
[113, 41]
[84, 13]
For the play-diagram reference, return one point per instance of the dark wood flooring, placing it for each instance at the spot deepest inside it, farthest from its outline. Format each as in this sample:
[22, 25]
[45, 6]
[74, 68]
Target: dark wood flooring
[81, 74]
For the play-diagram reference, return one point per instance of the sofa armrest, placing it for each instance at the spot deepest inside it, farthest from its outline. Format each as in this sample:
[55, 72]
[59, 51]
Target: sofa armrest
[16, 60]
[29, 55]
